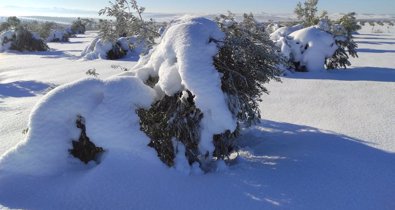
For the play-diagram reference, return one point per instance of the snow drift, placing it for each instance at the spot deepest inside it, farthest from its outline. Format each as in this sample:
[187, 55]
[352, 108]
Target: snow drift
[108, 107]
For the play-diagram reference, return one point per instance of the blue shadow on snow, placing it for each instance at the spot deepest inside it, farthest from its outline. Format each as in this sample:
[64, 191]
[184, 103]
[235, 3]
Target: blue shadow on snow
[23, 88]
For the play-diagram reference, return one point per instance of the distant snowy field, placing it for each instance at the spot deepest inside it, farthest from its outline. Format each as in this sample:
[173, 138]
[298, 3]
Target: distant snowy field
[326, 141]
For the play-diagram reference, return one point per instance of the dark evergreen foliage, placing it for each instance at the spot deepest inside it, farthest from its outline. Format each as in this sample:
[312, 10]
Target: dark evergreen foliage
[116, 52]
[345, 42]
[24, 40]
[83, 148]
[247, 59]
[173, 118]
[78, 27]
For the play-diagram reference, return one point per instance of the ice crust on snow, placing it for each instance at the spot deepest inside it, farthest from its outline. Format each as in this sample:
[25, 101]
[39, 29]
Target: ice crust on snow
[184, 60]
[108, 107]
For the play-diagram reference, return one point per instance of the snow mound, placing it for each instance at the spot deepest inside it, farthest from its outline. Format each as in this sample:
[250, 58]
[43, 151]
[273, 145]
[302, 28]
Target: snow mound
[132, 47]
[309, 47]
[111, 122]
[184, 60]
[284, 31]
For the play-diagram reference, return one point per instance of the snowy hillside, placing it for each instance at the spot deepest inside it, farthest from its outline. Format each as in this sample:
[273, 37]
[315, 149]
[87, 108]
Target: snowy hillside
[326, 140]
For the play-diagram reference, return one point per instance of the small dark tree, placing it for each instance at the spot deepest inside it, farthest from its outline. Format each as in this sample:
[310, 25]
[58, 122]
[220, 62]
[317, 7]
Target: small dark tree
[126, 23]
[345, 42]
[78, 26]
[307, 13]
[13, 22]
[24, 40]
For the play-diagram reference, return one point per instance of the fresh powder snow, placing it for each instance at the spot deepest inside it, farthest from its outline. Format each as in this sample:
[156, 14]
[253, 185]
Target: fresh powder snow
[325, 142]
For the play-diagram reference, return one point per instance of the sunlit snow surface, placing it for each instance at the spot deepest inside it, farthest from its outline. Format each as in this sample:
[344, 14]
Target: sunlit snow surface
[326, 142]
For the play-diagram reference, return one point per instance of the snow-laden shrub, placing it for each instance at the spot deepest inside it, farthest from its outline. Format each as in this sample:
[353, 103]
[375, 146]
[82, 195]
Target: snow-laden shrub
[104, 49]
[6, 39]
[343, 30]
[307, 49]
[78, 27]
[209, 77]
[272, 27]
[58, 35]
[22, 40]
[326, 45]
[128, 22]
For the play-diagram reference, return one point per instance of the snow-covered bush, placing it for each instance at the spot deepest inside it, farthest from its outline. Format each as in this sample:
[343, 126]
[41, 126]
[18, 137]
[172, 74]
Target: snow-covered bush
[78, 27]
[307, 49]
[201, 84]
[58, 35]
[104, 49]
[43, 29]
[126, 24]
[307, 12]
[323, 44]
[343, 30]
[209, 78]
[128, 35]
[22, 40]
[6, 39]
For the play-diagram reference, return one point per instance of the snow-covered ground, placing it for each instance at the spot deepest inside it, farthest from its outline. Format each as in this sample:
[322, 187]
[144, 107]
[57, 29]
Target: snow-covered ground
[326, 142]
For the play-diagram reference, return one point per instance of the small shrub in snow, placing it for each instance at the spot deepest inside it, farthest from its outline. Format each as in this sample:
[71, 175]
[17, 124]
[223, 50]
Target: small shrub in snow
[58, 35]
[13, 22]
[78, 27]
[328, 44]
[126, 24]
[247, 59]
[307, 12]
[92, 72]
[42, 29]
[307, 49]
[106, 49]
[127, 34]
[25, 40]
[343, 30]
[209, 78]
[84, 149]
[21, 40]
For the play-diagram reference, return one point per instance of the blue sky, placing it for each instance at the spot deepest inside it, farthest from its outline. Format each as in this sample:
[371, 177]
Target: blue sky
[90, 7]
